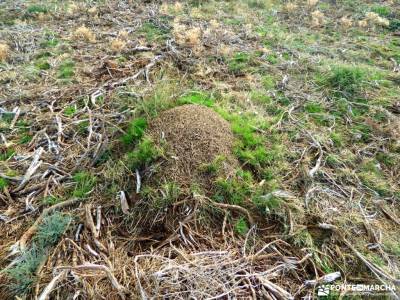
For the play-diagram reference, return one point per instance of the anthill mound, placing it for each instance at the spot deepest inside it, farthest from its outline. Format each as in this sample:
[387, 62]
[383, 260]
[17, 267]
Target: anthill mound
[195, 136]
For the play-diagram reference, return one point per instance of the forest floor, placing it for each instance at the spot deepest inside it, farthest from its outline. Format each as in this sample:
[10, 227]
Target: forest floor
[111, 187]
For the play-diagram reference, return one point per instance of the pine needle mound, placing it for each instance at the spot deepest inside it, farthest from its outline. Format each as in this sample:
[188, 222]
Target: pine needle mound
[195, 136]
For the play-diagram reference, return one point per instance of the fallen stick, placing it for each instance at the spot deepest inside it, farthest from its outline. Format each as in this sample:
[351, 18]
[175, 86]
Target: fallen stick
[93, 267]
[49, 288]
[238, 208]
[35, 164]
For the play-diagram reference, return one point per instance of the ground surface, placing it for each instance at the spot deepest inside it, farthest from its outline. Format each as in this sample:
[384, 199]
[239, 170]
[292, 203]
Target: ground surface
[311, 92]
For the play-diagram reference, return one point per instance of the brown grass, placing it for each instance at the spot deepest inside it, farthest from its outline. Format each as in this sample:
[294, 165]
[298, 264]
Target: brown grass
[85, 34]
[4, 51]
[117, 45]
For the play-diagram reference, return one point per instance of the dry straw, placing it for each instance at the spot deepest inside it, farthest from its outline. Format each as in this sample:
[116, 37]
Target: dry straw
[117, 45]
[85, 34]
[317, 18]
[4, 51]
[346, 22]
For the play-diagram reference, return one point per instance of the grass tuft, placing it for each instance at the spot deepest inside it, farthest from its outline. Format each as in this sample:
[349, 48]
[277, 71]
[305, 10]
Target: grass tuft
[144, 153]
[85, 182]
[345, 81]
[66, 69]
[135, 131]
[37, 9]
[241, 226]
[23, 273]
[3, 183]
[196, 98]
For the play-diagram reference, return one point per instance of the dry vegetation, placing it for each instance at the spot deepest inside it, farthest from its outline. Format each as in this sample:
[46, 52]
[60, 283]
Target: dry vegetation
[111, 188]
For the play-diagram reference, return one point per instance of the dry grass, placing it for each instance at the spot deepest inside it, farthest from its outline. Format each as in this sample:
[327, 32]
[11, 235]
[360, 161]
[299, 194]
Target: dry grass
[84, 34]
[317, 18]
[312, 3]
[4, 51]
[346, 22]
[118, 45]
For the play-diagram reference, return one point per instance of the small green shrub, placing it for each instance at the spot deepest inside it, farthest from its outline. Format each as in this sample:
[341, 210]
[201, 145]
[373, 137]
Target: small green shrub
[49, 40]
[51, 229]
[135, 131]
[337, 139]
[85, 182]
[388, 159]
[256, 156]
[250, 147]
[82, 127]
[394, 25]
[22, 275]
[332, 160]
[372, 177]
[362, 132]
[170, 193]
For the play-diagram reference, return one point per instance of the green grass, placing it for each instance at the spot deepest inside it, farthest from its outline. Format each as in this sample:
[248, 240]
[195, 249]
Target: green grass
[312, 107]
[66, 69]
[241, 226]
[3, 183]
[84, 183]
[6, 154]
[214, 167]
[345, 81]
[144, 153]
[134, 131]
[70, 111]
[36, 9]
[49, 40]
[169, 193]
[372, 176]
[266, 203]
[42, 64]
[196, 98]
[239, 63]
[51, 200]
[234, 190]
[25, 139]
[153, 32]
[23, 274]
[383, 11]
[250, 147]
